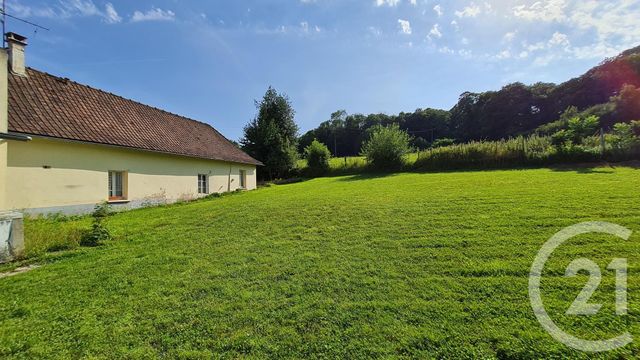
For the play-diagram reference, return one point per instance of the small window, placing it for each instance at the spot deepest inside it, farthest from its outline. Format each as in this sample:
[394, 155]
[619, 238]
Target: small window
[116, 185]
[203, 184]
[243, 179]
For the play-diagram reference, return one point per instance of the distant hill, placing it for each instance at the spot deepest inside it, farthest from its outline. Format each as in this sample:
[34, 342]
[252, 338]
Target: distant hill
[609, 90]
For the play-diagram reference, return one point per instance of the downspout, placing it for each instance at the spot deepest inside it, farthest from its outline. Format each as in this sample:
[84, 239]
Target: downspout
[229, 180]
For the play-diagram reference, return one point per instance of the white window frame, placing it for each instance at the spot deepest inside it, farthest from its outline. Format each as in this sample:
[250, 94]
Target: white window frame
[203, 184]
[117, 192]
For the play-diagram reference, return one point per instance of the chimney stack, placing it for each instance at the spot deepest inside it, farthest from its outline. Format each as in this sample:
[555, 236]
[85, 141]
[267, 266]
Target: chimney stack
[16, 44]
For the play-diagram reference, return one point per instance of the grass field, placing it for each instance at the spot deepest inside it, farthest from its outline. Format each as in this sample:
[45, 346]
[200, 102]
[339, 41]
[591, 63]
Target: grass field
[406, 265]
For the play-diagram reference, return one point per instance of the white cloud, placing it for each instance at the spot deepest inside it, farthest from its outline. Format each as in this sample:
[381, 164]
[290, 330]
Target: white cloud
[615, 23]
[472, 10]
[25, 11]
[505, 54]
[611, 25]
[435, 32]
[66, 9]
[546, 10]
[544, 60]
[111, 15]
[387, 2]
[405, 26]
[393, 3]
[559, 39]
[465, 53]
[445, 50]
[546, 51]
[550, 30]
[154, 14]
[305, 27]
[81, 7]
[508, 37]
[535, 47]
[438, 10]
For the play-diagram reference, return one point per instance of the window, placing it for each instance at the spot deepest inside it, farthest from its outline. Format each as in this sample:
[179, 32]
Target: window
[243, 179]
[116, 185]
[203, 184]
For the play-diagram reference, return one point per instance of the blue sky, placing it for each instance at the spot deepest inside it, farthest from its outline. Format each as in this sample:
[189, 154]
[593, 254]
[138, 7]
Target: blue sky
[209, 60]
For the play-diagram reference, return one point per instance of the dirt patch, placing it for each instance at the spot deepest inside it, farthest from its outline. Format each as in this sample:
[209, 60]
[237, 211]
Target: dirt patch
[18, 271]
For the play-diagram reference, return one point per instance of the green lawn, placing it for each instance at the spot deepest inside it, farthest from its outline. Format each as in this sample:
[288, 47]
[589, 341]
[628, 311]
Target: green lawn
[407, 265]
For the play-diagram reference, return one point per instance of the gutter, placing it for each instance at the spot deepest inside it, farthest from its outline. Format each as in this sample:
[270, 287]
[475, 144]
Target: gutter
[15, 136]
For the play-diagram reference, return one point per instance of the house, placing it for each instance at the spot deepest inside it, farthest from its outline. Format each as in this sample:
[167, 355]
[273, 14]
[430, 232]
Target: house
[65, 147]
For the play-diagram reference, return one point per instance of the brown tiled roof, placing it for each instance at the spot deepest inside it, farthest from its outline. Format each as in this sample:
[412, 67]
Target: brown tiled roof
[46, 105]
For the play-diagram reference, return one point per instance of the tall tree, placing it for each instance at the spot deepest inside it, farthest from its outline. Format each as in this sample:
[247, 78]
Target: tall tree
[271, 136]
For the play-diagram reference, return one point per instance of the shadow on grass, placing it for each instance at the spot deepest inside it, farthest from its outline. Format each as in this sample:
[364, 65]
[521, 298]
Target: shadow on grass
[369, 174]
[595, 168]
[290, 181]
[582, 168]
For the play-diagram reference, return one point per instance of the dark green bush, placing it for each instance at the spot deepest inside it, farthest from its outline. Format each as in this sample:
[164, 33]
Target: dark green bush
[579, 129]
[318, 156]
[386, 148]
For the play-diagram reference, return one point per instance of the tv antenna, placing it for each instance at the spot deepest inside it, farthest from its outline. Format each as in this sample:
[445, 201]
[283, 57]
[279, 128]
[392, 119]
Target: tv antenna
[4, 22]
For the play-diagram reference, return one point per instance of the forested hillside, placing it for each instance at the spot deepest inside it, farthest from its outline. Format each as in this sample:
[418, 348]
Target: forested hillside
[610, 90]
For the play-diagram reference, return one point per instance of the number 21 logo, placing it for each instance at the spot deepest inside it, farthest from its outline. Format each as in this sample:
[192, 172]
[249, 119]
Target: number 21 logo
[581, 305]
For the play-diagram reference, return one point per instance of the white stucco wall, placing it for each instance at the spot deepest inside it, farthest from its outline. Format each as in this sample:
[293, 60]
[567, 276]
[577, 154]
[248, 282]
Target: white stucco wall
[48, 175]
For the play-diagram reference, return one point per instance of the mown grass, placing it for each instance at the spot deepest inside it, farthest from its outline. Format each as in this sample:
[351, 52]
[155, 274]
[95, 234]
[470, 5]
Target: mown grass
[406, 265]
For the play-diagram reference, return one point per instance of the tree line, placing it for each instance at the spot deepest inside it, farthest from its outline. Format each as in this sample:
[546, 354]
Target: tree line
[609, 92]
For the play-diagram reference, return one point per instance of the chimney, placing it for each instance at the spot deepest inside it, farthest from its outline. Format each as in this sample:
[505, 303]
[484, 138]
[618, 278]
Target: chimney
[16, 44]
